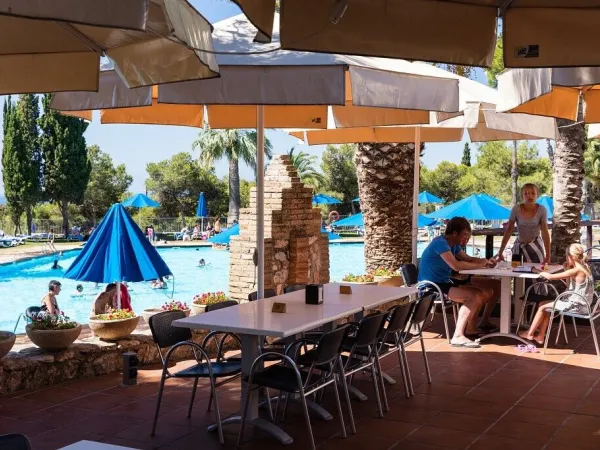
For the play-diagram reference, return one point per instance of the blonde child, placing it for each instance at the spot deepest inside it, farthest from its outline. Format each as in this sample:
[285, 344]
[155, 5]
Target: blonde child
[581, 282]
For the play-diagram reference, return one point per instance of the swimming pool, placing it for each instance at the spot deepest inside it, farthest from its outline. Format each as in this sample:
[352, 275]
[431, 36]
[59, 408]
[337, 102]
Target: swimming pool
[23, 284]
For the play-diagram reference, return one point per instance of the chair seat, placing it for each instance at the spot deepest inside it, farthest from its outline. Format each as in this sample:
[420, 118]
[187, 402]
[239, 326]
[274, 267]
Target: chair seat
[538, 298]
[219, 369]
[281, 378]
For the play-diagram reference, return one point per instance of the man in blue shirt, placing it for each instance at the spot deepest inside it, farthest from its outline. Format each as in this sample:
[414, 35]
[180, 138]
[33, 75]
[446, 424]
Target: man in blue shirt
[443, 255]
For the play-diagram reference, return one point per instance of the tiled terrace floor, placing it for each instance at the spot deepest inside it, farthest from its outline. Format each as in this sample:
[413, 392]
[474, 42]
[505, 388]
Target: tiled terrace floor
[491, 398]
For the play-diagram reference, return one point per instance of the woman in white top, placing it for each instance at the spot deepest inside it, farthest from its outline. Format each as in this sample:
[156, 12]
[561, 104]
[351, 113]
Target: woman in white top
[581, 283]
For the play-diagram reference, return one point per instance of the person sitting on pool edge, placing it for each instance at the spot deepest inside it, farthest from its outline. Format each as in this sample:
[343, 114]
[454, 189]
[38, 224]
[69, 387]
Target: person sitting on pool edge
[49, 303]
[443, 255]
[104, 300]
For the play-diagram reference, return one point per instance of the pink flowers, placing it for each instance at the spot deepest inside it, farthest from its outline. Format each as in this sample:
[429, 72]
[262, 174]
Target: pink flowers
[209, 298]
[175, 305]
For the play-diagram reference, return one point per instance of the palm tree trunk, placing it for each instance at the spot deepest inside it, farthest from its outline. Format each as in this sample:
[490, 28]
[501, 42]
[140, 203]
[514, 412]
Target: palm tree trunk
[567, 184]
[385, 185]
[514, 174]
[234, 191]
[63, 206]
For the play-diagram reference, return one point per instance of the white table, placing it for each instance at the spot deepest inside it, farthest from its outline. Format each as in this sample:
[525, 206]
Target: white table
[92, 445]
[254, 319]
[505, 272]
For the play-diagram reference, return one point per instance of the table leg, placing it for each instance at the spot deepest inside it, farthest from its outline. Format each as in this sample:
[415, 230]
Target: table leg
[505, 316]
[519, 292]
[250, 351]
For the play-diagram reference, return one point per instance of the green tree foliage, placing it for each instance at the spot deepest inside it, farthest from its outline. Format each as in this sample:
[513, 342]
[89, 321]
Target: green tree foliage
[466, 157]
[66, 167]
[305, 164]
[245, 187]
[443, 181]
[339, 170]
[13, 163]
[497, 63]
[108, 184]
[177, 182]
[233, 145]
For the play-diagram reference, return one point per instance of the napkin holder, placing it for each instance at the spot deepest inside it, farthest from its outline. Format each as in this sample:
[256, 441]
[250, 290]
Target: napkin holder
[314, 294]
[345, 289]
[279, 308]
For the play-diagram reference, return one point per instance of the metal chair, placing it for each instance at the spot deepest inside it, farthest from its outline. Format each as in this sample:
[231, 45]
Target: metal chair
[290, 378]
[593, 313]
[14, 442]
[531, 299]
[293, 288]
[220, 305]
[410, 275]
[166, 335]
[252, 296]
[29, 315]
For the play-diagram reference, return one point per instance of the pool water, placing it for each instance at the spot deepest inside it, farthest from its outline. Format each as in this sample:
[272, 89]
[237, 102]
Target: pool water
[23, 284]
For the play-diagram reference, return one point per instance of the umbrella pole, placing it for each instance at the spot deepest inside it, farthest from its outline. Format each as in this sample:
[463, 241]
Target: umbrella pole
[260, 198]
[415, 211]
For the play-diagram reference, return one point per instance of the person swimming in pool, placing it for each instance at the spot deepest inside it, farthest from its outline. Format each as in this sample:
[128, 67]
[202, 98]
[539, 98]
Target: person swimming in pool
[159, 284]
[201, 263]
[78, 291]
[55, 266]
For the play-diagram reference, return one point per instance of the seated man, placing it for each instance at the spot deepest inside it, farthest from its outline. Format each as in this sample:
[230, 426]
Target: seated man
[443, 255]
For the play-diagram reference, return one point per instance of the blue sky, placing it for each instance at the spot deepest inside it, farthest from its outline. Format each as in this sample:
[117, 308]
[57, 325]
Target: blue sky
[137, 145]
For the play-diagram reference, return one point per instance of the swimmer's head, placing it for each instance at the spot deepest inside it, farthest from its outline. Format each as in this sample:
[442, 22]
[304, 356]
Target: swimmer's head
[79, 288]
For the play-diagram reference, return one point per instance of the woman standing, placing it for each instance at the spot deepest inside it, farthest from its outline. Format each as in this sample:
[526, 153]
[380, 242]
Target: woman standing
[533, 238]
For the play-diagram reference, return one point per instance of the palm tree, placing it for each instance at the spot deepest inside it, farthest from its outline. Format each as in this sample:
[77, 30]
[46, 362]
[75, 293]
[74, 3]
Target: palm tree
[305, 166]
[235, 145]
[567, 184]
[385, 184]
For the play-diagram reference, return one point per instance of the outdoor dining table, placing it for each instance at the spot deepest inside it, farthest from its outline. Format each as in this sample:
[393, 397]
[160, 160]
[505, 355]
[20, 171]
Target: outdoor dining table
[252, 320]
[506, 273]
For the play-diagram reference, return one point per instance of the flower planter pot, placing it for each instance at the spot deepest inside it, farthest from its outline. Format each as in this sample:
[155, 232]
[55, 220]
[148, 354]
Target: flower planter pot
[7, 340]
[111, 330]
[198, 309]
[152, 311]
[363, 283]
[53, 339]
[394, 281]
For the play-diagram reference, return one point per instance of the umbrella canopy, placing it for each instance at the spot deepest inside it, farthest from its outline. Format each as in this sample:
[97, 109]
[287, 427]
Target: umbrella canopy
[224, 236]
[322, 199]
[551, 92]
[474, 207]
[202, 210]
[331, 236]
[492, 198]
[357, 199]
[298, 90]
[140, 201]
[56, 46]
[357, 221]
[117, 251]
[425, 197]
[547, 202]
[435, 31]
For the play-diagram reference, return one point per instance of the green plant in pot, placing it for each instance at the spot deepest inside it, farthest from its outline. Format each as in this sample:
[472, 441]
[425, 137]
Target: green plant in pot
[114, 324]
[200, 301]
[52, 332]
[173, 305]
[359, 279]
[387, 277]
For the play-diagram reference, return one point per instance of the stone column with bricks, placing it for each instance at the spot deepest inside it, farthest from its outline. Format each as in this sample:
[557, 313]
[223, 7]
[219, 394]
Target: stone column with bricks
[296, 252]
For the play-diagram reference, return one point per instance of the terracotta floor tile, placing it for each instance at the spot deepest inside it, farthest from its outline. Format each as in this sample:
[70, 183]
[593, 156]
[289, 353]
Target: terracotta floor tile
[141, 409]
[523, 431]
[18, 407]
[491, 442]
[443, 389]
[506, 397]
[28, 428]
[424, 401]
[402, 413]
[95, 384]
[60, 416]
[404, 445]
[462, 422]
[582, 422]
[546, 402]
[383, 428]
[56, 395]
[165, 433]
[463, 379]
[357, 442]
[138, 391]
[538, 416]
[577, 439]
[133, 444]
[206, 440]
[566, 391]
[507, 384]
[106, 425]
[61, 437]
[179, 396]
[442, 437]
[99, 402]
[476, 408]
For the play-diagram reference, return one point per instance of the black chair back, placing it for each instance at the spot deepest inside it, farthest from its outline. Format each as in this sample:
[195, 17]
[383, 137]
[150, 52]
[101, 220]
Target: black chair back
[220, 305]
[164, 333]
[368, 329]
[14, 442]
[293, 288]
[268, 293]
[32, 312]
[330, 345]
[399, 318]
[423, 307]
[410, 274]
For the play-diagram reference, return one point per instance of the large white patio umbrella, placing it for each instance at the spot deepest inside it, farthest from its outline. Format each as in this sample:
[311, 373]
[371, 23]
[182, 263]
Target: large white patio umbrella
[535, 33]
[53, 46]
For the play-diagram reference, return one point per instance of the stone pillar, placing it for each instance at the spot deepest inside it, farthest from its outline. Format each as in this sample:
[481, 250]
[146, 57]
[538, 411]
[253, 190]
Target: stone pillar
[296, 252]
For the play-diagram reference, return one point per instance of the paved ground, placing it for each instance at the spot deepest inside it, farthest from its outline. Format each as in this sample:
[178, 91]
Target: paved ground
[491, 398]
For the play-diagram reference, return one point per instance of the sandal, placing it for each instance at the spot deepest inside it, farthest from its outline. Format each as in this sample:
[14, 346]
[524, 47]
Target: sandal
[530, 348]
[466, 344]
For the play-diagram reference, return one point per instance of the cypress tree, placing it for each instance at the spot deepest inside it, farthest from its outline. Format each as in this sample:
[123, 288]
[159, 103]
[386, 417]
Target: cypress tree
[466, 157]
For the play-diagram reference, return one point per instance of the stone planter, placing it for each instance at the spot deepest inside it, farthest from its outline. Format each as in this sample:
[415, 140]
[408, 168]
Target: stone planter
[111, 330]
[366, 283]
[53, 339]
[394, 281]
[198, 309]
[7, 340]
[152, 311]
